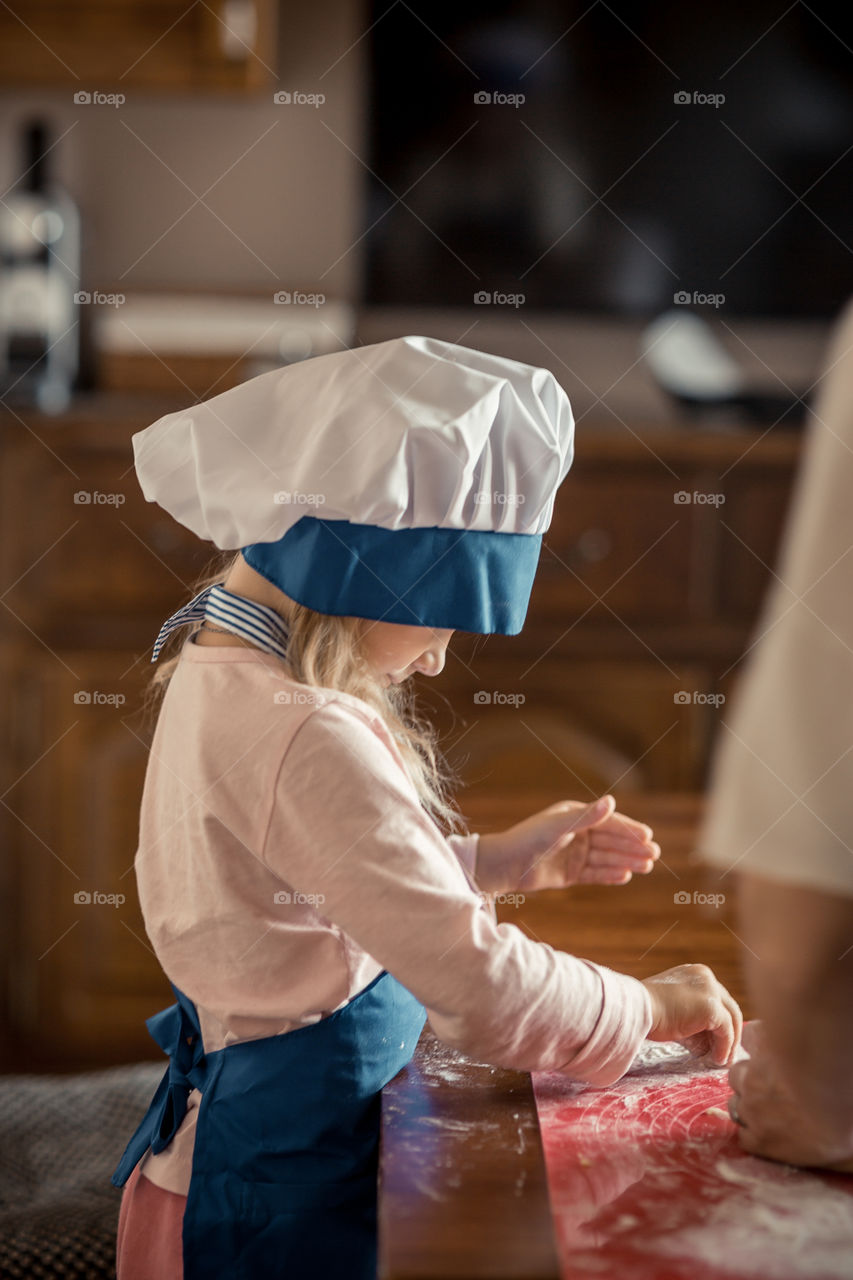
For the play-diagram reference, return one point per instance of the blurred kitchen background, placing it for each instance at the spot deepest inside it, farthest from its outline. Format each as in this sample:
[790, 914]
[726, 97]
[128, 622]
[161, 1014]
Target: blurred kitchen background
[651, 200]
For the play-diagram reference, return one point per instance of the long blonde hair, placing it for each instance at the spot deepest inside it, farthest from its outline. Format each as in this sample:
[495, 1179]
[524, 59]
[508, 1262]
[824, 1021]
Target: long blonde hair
[325, 650]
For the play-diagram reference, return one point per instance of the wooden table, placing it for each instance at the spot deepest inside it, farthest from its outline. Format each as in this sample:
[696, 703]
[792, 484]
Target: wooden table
[463, 1186]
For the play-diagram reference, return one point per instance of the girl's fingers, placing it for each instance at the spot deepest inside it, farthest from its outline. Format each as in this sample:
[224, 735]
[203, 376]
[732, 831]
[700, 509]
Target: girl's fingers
[633, 853]
[614, 821]
[604, 875]
[630, 826]
[736, 1016]
[615, 836]
[618, 840]
[728, 1035]
[636, 856]
[621, 858]
[596, 813]
[723, 1035]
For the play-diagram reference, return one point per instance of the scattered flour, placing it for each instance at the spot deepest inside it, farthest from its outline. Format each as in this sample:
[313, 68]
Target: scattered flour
[652, 1053]
[699, 1205]
[784, 1223]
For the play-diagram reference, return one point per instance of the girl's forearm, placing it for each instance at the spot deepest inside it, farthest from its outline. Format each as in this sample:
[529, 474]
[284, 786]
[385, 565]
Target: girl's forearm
[494, 871]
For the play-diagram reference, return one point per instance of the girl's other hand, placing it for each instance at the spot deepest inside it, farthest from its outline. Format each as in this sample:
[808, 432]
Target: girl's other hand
[692, 1008]
[567, 843]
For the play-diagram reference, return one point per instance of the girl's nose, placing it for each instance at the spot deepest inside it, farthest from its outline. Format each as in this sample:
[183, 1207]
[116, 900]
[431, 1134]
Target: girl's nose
[431, 663]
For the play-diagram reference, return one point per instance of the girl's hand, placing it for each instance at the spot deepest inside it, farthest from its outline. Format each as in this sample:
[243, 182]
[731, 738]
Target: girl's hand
[692, 1008]
[567, 843]
[776, 1124]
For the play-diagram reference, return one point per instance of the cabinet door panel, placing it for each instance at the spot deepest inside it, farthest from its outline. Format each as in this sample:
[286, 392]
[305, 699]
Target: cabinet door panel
[753, 522]
[618, 541]
[83, 970]
[116, 45]
[97, 547]
[578, 726]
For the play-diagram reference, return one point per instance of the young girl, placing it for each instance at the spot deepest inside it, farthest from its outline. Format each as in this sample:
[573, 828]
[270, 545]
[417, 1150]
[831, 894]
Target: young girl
[306, 883]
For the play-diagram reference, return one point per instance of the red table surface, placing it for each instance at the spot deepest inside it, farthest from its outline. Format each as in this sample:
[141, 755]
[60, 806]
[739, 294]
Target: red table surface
[646, 1185]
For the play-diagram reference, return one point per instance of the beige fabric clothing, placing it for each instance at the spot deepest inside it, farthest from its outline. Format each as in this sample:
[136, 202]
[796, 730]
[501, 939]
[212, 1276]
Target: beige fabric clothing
[780, 800]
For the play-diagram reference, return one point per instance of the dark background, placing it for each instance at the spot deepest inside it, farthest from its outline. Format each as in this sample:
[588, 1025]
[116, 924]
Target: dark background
[600, 193]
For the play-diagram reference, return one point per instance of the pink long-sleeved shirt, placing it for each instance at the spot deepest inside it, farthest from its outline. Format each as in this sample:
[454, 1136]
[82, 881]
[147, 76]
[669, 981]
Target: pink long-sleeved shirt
[284, 861]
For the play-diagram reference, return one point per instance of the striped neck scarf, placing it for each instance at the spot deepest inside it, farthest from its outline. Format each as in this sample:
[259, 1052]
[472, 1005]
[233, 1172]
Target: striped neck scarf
[255, 622]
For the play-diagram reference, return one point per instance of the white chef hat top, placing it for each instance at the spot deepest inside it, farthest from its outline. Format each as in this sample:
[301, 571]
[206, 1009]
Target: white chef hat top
[408, 481]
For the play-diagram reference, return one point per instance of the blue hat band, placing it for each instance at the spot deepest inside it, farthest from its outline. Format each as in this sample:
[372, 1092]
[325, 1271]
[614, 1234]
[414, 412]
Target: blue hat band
[449, 579]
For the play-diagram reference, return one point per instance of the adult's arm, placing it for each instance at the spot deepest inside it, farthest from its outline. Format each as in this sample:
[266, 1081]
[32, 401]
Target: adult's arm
[797, 1090]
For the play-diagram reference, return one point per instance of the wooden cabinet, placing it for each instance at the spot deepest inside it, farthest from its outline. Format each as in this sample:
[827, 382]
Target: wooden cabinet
[81, 966]
[650, 581]
[94, 564]
[113, 46]
[617, 545]
[90, 570]
[573, 723]
[639, 614]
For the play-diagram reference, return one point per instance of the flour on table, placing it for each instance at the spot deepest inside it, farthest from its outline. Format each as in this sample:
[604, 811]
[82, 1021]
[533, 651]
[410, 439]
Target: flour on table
[785, 1223]
[654, 1052]
[651, 1052]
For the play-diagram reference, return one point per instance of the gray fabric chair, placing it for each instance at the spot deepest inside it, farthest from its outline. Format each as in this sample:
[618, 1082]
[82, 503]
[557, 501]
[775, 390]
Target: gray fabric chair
[60, 1140]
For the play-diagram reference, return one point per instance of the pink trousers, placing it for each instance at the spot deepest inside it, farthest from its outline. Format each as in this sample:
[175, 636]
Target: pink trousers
[149, 1241]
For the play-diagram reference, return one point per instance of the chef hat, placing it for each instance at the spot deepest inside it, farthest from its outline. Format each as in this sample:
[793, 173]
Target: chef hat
[409, 481]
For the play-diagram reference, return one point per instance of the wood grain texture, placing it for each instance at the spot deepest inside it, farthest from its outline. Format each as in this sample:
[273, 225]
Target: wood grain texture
[463, 1190]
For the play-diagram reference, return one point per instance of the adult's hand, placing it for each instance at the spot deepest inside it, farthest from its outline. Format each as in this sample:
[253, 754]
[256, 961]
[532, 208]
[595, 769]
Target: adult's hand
[777, 1123]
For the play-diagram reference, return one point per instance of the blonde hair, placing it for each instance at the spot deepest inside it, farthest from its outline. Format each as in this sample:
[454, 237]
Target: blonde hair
[325, 650]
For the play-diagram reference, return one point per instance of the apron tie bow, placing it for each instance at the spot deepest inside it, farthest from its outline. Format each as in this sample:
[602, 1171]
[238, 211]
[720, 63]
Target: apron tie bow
[176, 1030]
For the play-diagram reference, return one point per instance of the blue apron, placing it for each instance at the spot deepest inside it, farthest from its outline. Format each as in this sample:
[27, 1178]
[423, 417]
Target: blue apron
[287, 1137]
